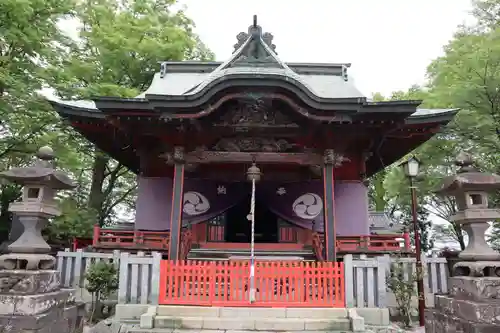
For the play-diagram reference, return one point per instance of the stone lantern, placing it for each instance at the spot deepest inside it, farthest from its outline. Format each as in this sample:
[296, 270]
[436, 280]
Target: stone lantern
[472, 304]
[30, 293]
[470, 189]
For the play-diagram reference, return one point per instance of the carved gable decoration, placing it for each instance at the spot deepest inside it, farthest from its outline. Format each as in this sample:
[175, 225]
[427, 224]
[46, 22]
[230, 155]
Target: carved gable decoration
[254, 113]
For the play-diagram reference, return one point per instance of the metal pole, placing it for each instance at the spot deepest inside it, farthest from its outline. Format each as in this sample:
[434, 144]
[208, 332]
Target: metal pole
[418, 250]
[252, 245]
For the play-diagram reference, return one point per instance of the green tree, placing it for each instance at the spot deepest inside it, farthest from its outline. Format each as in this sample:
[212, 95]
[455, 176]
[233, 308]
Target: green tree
[389, 190]
[468, 76]
[120, 45]
[29, 41]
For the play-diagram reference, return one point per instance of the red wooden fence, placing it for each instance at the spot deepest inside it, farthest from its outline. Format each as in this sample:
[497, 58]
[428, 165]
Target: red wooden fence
[226, 283]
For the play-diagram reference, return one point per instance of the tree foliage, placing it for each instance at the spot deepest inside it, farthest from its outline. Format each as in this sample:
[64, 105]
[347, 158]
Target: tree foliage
[466, 76]
[119, 45]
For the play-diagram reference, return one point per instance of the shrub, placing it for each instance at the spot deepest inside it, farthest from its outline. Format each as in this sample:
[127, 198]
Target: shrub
[102, 280]
[404, 289]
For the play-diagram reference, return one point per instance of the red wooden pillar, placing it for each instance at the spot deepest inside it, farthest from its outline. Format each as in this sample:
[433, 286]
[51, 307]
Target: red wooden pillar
[330, 161]
[177, 202]
[96, 234]
[407, 240]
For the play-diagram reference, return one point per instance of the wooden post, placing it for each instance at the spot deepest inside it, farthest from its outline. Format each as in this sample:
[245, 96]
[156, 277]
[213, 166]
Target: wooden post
[95, 238]
[177, 201]
[329, 204]
[407, 240]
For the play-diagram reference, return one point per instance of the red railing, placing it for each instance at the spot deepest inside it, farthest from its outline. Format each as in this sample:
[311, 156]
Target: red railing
[80, 243]
[372, 243]
[113, 238]
[226, 283]
[159, 241]
[362, 244]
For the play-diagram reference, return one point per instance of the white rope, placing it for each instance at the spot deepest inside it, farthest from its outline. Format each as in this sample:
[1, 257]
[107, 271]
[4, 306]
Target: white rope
[252, 245]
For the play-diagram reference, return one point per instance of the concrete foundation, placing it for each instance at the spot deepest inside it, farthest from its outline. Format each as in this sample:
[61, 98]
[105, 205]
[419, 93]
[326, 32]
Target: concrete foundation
[472, 306]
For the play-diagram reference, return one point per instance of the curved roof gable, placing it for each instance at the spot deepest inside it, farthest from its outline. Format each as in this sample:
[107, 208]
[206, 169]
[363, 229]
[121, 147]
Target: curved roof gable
[254, 56]
[254, 60]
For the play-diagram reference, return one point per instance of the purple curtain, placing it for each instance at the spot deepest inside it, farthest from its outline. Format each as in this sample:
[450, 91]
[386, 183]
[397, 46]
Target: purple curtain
[152, 208]
[203, 200]
[300, 203]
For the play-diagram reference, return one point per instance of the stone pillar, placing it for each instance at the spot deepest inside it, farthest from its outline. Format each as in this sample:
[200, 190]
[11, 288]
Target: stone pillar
[31, 298]
[177, 204]
[473, 302]
[331, 161]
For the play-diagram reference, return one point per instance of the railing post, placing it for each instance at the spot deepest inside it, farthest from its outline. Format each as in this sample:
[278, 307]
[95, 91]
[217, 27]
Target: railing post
[154, 294]
[116, 258]
[123, 279]
[95, 238]
[349, 281]
[78, 270]
[212, 269]
[383, 268]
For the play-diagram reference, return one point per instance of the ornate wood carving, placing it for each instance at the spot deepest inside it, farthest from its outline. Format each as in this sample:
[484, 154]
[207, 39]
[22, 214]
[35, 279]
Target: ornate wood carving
[252, 144]
[178, 156]
[254, 112]
[334, 158]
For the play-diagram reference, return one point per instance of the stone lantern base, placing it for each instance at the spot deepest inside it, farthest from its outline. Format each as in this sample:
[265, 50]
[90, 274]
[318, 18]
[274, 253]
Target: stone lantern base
[472, 306]
[32, 301]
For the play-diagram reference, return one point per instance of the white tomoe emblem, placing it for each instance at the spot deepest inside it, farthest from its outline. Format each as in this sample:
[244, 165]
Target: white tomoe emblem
[195, 203]
[308, 206]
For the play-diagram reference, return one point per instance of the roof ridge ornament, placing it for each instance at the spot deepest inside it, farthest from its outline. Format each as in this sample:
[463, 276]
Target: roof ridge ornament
[255, 48]
[254, 31]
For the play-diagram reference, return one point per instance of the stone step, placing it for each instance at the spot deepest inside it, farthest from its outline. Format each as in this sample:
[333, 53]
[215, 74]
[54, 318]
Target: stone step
[179, 330]
[249, 312]
[253, 324]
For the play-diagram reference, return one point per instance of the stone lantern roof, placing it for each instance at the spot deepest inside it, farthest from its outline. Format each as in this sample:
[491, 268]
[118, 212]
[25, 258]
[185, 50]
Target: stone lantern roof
[42, 172]
[468, 178]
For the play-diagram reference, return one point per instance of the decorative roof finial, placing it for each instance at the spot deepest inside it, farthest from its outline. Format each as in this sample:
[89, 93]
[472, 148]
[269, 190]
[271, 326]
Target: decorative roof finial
[254, 32]
[465, 162]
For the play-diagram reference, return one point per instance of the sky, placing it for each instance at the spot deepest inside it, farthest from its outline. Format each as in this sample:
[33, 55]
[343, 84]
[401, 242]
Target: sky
[389, 43]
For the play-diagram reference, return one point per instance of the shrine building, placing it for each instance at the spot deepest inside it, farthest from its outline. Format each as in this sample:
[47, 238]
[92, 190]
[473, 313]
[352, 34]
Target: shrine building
[192, 136]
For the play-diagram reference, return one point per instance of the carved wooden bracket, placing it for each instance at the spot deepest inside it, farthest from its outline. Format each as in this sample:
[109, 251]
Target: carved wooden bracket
[333, 158]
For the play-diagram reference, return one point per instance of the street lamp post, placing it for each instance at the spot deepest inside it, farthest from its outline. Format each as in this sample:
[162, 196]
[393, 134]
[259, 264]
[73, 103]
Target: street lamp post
[411, 168]
[253, 175]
